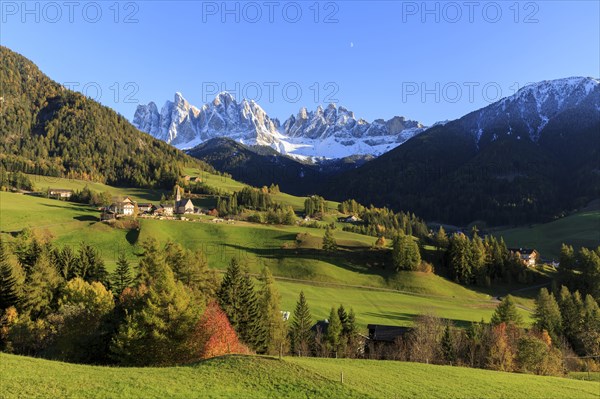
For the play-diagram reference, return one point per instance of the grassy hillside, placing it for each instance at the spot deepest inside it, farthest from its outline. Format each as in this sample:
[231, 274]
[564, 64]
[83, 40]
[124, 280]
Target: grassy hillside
[581, 229]
[41, 183]
[326, 280]
[261, 377]
[409, 380]
[391, 308]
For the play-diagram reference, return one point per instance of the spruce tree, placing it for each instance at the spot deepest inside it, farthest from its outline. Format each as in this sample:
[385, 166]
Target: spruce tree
[405, 253]
[90, 266]
[238, 300]
[9, 288]
[506, 312]
[334, 331]
[162, 319]
[121, 277]
[547, 314]
[343, 315]
[300, 327]
[251, 329]
[229, 293]
[447, 345]
[41, 287]
[329, 243]
[441, 239]
[271, 317]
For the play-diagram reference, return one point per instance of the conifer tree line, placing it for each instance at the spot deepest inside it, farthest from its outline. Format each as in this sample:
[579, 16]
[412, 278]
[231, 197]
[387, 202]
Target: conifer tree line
[382, 222]
[315, 206]
[167, 308]
[14, 181]
[480, 261]
[260, 200]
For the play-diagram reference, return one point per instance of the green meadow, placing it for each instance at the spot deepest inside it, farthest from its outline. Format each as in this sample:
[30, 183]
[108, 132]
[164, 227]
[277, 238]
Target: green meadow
[581, 229]
[264, 377]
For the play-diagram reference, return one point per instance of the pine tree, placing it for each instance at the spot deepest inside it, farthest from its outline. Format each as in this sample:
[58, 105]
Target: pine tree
[41, 287]
[300, 328]
[506, 312]
[162, 319]
[334, 331]
[229, 293]
[121, 277]
[271, 317]
[448, 349]
[547, 314]
[9, 287]
[590, 334]
[329, 243]
[343, 315]
[238, 300]
[441, 239]
[251, 329]
[572, 318]
[66, 262]
[459, 258]
[405, 253]
[90, 265]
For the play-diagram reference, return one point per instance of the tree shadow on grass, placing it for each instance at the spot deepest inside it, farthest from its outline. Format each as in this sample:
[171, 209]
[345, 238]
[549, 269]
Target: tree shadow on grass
[357, 261]
[407, 319]
[86, 218]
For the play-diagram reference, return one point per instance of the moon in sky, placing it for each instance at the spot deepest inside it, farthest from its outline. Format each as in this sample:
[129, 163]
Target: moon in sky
[351, 44]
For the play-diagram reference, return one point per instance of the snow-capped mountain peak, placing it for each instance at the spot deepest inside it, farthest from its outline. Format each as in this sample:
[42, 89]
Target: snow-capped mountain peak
[330, 132]
[530, 109]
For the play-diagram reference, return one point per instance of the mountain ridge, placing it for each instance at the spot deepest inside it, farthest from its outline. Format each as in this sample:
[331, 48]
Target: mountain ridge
[331, 132]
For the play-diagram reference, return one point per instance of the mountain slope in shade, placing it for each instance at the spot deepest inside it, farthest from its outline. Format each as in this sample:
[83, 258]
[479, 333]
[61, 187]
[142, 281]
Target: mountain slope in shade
[261, 165]
[324, 133]
[525, 158]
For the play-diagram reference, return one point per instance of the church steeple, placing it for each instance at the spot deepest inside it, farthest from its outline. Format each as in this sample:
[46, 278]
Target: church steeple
[177, 193]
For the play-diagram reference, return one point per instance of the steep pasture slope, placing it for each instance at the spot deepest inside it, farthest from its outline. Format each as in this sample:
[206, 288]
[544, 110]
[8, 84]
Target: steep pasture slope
[581, 229]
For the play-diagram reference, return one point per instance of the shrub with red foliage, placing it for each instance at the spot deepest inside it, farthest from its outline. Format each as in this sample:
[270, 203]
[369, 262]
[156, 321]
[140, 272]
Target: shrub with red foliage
[214, 335]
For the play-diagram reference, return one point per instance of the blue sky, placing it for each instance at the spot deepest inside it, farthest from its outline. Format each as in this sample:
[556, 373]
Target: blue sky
[425, 61]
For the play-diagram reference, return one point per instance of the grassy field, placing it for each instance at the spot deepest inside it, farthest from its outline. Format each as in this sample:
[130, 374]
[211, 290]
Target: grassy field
[326, 280]
[262, 377]
[41, 183]
[580, 229]
[390, 308]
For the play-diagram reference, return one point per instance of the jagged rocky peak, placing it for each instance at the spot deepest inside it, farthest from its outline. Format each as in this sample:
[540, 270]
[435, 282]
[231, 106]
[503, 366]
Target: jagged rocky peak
[329, 132]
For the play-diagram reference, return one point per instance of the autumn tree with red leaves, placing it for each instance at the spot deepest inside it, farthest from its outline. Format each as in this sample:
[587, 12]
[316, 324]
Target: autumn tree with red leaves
[214, 335]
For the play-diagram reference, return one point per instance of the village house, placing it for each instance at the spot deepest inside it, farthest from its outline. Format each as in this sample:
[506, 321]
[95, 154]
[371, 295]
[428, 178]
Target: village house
[126, 207]
[145, 208]
[164, 210]
[107, 214]
[60, 193]
[383, 334]
[529, 257]
[348, 219]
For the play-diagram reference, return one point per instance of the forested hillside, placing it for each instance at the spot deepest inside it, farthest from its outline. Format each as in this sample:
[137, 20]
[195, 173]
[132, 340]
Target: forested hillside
[527, 158]
[49, 130]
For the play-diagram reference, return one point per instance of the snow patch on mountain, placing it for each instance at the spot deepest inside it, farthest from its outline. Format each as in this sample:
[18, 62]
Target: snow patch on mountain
[333, 132]
[532, 107]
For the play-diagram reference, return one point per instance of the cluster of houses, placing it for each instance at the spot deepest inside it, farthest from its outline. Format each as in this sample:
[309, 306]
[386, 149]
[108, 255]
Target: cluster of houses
[127, 207]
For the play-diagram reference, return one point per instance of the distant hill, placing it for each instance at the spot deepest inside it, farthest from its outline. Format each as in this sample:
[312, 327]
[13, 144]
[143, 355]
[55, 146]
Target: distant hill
[49, 130]
[262, 165]
[523, 159]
